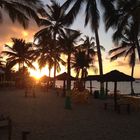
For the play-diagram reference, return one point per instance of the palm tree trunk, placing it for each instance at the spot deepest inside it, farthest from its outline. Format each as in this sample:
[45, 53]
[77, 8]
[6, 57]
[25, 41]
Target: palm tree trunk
[99, 58]
[132, 74]
[69, 72]
[49, 75]
[19, 66]
[54, 79]
[138, 47]
[49, 72]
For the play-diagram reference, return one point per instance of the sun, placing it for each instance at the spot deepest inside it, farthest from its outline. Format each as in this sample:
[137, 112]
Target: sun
[25, 33]
[37, 73]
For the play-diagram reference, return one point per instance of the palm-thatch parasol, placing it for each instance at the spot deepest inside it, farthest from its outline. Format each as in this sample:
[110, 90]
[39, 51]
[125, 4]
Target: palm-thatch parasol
[116, 76]
[92, 78]
[45, 78]
[64, 76]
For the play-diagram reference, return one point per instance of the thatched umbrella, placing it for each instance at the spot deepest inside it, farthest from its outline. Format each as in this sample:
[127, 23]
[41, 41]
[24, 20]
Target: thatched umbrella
[64, 76]
[45, 78]
[92, 78]
[116, 76]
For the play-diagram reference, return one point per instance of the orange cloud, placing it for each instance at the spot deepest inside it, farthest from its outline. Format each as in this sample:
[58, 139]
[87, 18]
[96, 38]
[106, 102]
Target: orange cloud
[9, 30]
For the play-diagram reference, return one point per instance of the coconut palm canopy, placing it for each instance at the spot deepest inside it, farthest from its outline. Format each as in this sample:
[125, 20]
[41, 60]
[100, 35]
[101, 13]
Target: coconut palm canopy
[115, 76]
[64, 76]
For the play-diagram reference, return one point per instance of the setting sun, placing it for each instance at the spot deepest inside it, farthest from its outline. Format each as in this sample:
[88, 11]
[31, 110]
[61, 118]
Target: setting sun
[37, 73]
[25, 33]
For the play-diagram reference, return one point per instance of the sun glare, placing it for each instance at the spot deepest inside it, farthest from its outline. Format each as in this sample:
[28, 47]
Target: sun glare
[37, 73]
[25, 33]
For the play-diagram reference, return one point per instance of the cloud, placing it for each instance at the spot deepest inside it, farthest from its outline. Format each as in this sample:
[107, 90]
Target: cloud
[9, 30]
[121, 63]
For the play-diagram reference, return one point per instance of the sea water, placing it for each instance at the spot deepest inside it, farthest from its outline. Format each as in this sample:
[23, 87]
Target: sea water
[123, 87]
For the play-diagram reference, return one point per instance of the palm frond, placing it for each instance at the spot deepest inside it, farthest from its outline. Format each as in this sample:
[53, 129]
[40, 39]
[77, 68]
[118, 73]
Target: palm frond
[67, 4]
[115, 50]
[87, 13]
[118, 55]
[15, 14]
[71, 15]
[1, 17]
[94, 15]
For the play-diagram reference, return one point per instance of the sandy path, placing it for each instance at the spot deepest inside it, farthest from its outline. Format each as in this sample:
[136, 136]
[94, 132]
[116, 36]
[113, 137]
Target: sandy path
[46, 118]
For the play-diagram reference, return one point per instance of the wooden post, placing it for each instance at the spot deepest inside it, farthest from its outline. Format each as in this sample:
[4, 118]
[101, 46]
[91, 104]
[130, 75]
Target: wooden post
[115, 96]
[9, 128]
[24, 135]
[64, 88]
[90, 86]
[106, 88]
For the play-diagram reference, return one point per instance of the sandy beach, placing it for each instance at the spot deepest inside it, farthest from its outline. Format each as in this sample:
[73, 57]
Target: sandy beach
[47, 119]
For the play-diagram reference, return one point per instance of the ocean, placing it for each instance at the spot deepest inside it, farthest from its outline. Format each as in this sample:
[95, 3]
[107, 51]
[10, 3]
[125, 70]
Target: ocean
[123, 87]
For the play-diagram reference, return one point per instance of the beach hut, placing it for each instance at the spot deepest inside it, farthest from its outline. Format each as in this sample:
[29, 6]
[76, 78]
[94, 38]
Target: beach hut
[92, 78]
[115, 76]
[64, 77]
[46, 82]
[45, 78]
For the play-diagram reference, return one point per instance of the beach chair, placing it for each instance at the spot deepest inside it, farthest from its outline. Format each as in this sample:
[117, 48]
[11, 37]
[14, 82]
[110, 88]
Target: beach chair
[6, 123]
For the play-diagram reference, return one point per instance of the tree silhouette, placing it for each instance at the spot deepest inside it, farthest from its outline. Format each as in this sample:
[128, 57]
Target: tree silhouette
[128, 49]
[92, 16]
[22, 10]
[67, 43]
[19, 53]
[53, 25]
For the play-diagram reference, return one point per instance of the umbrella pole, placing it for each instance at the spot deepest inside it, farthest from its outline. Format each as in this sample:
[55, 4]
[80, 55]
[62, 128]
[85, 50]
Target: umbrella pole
[90, 86]
[115, 96]
[64, 88]
[106, 88]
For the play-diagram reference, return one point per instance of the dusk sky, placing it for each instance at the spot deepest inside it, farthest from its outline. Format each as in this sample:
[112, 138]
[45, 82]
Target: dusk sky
[8, 30]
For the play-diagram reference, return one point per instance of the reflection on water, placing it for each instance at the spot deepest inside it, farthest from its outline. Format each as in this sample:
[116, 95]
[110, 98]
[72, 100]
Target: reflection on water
[124, 87]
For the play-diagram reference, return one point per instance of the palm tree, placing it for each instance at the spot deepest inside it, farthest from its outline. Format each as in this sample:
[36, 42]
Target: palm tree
[128, 49]
[19, 53]
[88, 45]
[67, 43]
[92, 16]
[22, 10]
[82, 62]
[53, 22]
[45, 55]
[125, 14]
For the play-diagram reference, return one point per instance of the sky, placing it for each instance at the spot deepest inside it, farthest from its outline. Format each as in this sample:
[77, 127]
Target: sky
[8, 30]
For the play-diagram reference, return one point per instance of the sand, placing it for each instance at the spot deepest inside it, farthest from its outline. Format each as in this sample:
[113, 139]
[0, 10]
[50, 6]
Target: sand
[47, 119]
